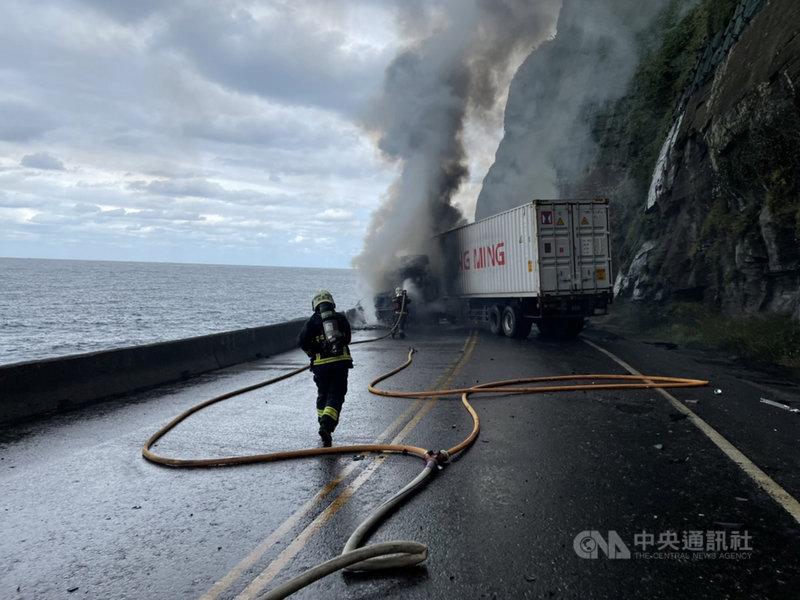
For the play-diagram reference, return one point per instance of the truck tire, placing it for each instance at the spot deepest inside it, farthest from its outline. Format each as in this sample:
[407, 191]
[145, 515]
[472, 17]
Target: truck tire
[512, 322]
[495, 320]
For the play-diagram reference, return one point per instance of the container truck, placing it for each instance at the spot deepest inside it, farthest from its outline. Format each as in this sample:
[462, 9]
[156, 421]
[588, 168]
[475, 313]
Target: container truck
[546, 262]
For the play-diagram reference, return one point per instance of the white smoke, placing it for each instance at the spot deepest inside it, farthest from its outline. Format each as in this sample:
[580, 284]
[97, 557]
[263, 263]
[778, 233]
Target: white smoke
[454, 69]
[548, 143]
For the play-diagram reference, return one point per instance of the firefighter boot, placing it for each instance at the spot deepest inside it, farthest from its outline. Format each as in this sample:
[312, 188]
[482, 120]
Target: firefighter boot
[325, 435]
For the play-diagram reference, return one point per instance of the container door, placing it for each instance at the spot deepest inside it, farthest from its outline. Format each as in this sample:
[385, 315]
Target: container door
[592, 259]
[556, 254]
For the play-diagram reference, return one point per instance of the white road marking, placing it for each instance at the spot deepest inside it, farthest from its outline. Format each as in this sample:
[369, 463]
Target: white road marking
[769, 485]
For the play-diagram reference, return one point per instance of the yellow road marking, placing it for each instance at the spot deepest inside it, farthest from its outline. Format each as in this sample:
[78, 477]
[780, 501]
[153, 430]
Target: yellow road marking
[769, 485]
[223, 584]
[266, 576]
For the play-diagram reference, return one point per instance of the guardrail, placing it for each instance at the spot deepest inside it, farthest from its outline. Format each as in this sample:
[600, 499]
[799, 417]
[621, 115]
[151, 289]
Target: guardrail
[31, 389]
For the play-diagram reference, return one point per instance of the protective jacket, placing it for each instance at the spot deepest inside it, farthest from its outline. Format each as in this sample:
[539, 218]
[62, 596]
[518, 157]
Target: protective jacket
[399, 305]
[312, 340]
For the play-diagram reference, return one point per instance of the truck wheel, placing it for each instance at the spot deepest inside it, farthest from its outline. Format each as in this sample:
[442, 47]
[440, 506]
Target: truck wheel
[495, 320]
[512, 321]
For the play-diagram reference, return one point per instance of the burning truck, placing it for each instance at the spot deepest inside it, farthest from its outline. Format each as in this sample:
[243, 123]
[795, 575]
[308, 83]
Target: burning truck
[547, 262]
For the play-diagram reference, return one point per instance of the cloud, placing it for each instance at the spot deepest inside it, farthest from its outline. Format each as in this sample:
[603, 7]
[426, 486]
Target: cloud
[280, 51]
[42, 160]
[22, 121]
[335, 214]
[241, 131]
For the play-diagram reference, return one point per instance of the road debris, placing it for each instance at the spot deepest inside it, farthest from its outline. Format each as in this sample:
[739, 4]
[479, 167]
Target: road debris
[779, 405]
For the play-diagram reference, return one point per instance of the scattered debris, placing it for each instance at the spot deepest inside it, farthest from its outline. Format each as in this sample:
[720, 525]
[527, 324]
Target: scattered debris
[740, 499]
[73, 589]
[717, 391]
[779, 405]
[658, 446]
[359, 457]
[691, 401]
[530, 578]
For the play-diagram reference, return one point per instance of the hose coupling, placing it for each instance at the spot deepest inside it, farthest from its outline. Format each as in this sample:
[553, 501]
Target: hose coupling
[435, 460]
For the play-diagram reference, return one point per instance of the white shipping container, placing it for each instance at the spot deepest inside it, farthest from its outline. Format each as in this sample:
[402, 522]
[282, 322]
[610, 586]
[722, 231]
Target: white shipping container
[543, 248]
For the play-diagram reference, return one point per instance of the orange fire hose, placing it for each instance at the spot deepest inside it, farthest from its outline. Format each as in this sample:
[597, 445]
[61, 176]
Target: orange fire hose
[394, 554]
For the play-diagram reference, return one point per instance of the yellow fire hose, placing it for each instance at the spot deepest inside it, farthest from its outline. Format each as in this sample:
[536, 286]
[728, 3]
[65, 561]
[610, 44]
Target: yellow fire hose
[400, 553]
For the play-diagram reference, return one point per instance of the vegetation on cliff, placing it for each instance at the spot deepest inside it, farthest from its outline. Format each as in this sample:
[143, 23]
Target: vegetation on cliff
[725, 235]
[671, 48]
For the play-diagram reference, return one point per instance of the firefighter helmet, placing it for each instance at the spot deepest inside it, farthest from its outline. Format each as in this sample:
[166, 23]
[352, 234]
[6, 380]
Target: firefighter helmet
[398, 291]
[320, 297]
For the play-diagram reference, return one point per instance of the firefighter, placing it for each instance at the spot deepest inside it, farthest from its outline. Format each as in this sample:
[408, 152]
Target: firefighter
[324, 338]
[400, 301]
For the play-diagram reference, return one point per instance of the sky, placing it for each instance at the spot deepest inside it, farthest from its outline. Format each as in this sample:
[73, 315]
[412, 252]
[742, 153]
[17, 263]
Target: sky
[202, 131]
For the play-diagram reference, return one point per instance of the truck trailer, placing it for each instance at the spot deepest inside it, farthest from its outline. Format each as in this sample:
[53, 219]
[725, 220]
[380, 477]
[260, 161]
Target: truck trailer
[546, 262]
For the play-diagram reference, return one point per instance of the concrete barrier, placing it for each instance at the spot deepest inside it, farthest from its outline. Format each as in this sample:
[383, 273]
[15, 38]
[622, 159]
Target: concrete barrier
[31, 389]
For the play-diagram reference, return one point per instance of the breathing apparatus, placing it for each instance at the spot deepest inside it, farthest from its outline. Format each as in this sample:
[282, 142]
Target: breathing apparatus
[323, 304]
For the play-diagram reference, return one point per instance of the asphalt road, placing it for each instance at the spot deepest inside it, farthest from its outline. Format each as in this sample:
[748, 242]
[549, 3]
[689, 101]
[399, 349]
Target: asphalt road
[582, 494]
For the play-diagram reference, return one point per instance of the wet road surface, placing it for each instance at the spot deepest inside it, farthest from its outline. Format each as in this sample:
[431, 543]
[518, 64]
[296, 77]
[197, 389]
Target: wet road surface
[587, 494]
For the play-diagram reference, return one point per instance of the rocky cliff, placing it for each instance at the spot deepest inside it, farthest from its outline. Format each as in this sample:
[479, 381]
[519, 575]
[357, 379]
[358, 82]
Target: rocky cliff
[697, 145]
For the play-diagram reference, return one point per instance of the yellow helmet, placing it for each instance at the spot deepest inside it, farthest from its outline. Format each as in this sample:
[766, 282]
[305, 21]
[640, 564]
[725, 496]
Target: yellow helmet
[398, 291]
[320, 297]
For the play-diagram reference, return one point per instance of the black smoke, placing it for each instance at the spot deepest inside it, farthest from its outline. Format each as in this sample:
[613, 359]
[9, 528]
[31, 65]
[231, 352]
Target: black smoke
[453, 72]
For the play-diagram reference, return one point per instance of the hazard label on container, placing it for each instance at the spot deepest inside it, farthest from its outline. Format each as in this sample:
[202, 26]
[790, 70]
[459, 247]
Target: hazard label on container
[547, 217]
[560, 222]
[601, 275]
[585, 221]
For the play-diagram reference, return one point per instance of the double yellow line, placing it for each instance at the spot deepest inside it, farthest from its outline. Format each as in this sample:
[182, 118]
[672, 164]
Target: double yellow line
[411, 416]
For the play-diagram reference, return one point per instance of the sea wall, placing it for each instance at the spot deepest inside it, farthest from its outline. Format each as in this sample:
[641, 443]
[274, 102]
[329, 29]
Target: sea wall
[31, 389]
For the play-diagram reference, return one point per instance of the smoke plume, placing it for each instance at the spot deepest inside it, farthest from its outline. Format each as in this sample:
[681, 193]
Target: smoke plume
[451, 74]
[548, 142]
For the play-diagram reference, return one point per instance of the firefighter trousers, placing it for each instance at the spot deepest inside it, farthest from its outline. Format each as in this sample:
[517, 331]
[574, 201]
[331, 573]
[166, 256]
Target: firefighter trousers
[331, 380]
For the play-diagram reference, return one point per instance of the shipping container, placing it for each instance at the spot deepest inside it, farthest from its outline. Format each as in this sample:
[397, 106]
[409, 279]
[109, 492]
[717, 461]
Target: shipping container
[546, 262]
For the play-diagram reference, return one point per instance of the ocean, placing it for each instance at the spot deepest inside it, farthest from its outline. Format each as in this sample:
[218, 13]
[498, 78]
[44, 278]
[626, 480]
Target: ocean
[52, 308]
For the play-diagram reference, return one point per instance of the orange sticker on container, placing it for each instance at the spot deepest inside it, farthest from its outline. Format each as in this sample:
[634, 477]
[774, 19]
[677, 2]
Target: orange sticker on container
[600, 274]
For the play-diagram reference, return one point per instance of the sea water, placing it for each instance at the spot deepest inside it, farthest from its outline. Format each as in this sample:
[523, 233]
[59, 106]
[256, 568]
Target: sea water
[51, 308]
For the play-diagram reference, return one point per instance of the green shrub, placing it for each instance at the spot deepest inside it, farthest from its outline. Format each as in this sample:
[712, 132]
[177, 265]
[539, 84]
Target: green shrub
[759, 340]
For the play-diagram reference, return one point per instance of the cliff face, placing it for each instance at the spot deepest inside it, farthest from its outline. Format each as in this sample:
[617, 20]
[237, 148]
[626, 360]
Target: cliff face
[725, 191]
[706, 200]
